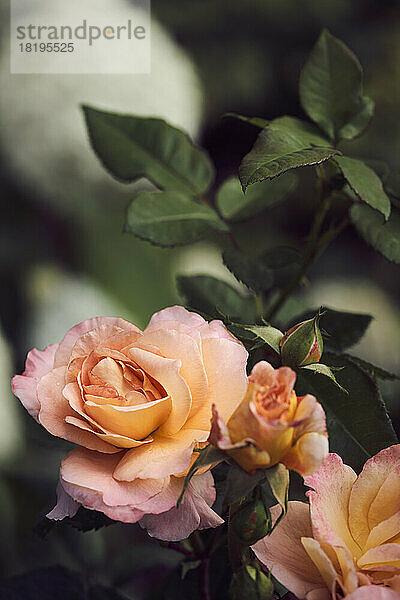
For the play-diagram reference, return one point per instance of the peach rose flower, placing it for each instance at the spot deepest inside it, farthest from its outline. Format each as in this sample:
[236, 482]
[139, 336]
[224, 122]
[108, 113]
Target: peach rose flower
[346, 542]
[136, 403]
[272, 425]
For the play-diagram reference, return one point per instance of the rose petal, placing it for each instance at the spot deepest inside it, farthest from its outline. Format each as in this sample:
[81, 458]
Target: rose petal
[105, 327]
[366, 494]
[308, 453]
[112, 438]
[193, 513]
[135, 422]
[322, 562]
[283, 553]
[329, 503]
[165, 456]
[179, 314]
[167, 372]
[38, 363]
[65, 507]
[54, 408]
[225, 365]
[384, 531]
[176, 345]
[373, 592]
[88, 478]
[387, 554]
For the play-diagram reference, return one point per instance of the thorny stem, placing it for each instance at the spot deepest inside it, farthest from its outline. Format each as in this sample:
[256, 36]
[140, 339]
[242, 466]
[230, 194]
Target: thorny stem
[316, 243]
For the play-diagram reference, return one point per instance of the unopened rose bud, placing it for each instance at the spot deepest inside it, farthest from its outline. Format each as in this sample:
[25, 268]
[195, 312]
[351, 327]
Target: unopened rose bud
[251, 521]
[250, 583]
[302, 344]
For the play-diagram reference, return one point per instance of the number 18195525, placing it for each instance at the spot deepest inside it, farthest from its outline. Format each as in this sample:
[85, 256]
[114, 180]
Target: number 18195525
[47, 47]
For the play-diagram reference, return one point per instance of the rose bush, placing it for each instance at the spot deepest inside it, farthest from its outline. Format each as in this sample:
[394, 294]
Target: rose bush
[136, 403]
[346, 543]
[273, 425]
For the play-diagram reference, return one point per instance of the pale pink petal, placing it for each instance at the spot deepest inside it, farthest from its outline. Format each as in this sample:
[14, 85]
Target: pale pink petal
[225, 364]
[176, 345]
[178, 314]
[366, 490]
[87, 477]
[38, 363]
[54, 408]
[216, 329]
[107, 325]
[164, 456]
[329, 503]
[65, 507]
[373, 592]
[193, 513]
[308, 453]
[167, 372]
[284, 555]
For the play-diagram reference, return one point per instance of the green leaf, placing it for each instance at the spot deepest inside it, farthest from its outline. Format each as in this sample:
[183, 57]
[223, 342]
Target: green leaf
[384, 237]
[324, 370]
[240, 484]
[278, 481]
[360, 120]
[251, 272]
[341, 329]
[309, 133]
[281, 257]
[206, 457]
[276, 150]
[215, 297]
[171, 219]
[235, 206]
[267, 334]
[132, 147]
[256, 121]
[360, 414]
[331, 89]
[365, 183]
[376, 372]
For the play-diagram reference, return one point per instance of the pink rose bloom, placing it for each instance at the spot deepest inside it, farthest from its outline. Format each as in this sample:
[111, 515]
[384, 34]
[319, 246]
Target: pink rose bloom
[346, 542]
[136, 403]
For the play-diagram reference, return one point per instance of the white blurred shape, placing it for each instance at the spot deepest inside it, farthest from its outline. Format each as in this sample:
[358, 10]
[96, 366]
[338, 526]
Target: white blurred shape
[60, 300]
[43, 136]
[380, 345]
[10, 429]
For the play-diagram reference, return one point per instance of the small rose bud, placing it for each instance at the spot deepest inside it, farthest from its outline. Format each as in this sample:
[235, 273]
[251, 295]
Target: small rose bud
[251, 521]
[250, 583]
[302, 344]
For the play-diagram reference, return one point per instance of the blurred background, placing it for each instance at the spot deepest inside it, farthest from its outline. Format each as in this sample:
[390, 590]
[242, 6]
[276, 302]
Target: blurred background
[63, 257]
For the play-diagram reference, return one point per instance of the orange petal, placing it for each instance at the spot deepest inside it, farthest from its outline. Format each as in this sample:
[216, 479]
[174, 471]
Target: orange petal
[374, 498]
[165, 456]
[117, 440]
[135, 422]
[167, 372]
[54, 408]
